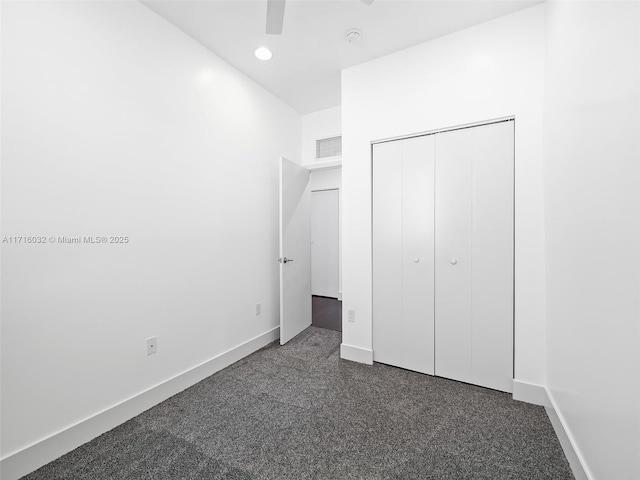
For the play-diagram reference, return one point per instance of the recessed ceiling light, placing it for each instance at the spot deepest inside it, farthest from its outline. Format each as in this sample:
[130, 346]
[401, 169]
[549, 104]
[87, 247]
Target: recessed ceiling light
[263, 53]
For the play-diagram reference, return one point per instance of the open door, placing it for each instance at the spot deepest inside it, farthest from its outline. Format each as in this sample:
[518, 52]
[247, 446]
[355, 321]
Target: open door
[295, 250]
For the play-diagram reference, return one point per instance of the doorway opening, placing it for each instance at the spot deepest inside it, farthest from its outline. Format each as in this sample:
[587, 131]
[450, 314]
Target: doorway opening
[309, 205]
[325, 252]
[326, 313]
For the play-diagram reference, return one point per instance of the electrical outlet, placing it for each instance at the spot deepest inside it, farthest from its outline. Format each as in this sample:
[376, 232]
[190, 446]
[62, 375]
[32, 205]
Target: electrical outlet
[152, 345]
[352, 315]
[258, 308]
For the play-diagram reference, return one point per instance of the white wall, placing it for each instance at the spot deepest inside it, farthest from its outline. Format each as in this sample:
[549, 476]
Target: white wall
[492, 70]
[592, 200]
[116, 123]
[328, 180]
[321, 124]
[325, 241]
[324, 124]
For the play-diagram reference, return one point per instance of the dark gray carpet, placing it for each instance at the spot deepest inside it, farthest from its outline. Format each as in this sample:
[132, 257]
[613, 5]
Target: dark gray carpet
[298, 412]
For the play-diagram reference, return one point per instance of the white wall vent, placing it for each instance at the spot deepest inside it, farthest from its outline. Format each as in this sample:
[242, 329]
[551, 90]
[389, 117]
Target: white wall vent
[328, 147]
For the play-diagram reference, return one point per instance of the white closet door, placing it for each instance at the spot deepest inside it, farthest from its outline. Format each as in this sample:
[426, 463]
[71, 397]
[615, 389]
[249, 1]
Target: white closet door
[324, 243]
[474, 255]
[403, 247]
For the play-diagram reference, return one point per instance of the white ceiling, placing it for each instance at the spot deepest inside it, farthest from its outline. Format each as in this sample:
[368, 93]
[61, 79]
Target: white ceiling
[308, 56]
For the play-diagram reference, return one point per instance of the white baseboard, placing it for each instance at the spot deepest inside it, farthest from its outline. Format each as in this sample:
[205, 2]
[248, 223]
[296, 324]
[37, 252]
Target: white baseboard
[530, 393]
[340, 296]
[28, 459]
[540, 395]
[356, 354]
[571, 450]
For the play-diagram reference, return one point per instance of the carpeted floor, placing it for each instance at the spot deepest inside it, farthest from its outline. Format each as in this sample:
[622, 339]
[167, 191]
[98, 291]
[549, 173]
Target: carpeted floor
[299, 412]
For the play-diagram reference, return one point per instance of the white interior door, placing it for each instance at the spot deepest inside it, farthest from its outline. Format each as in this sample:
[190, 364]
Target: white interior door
[324, 243]
[474, 255]
[295, 250]
[403, 253]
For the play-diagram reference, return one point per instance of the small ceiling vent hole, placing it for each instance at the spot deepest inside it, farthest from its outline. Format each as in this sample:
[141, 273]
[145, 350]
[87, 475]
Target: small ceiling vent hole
[353, 36]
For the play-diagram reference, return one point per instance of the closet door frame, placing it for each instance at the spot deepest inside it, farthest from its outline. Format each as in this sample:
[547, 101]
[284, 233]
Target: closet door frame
[443, 130]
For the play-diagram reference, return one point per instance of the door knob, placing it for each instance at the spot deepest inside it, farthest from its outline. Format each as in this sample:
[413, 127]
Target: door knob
[285, 260]
[453, 261]
[416, 259]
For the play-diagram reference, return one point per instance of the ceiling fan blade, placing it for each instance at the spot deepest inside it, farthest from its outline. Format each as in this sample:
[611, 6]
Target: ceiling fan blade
[367, 2]
[275, 16]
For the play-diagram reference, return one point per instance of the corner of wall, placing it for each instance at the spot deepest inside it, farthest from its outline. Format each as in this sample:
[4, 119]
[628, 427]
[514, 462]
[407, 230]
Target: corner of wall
[529, 393]
[541, 395]
[566, 439]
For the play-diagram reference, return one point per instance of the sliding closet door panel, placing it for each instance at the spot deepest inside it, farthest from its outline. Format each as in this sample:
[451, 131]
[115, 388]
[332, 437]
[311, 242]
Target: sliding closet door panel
[493, 201]
[453, 264]
[403, 249]
[418, 158]
[387, 260]
[474, 255]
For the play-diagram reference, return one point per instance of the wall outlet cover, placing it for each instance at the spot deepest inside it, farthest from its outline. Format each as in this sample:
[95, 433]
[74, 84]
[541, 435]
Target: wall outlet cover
[152, 345]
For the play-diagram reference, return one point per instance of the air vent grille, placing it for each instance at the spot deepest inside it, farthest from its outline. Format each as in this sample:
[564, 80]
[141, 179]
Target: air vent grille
[328, 147]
